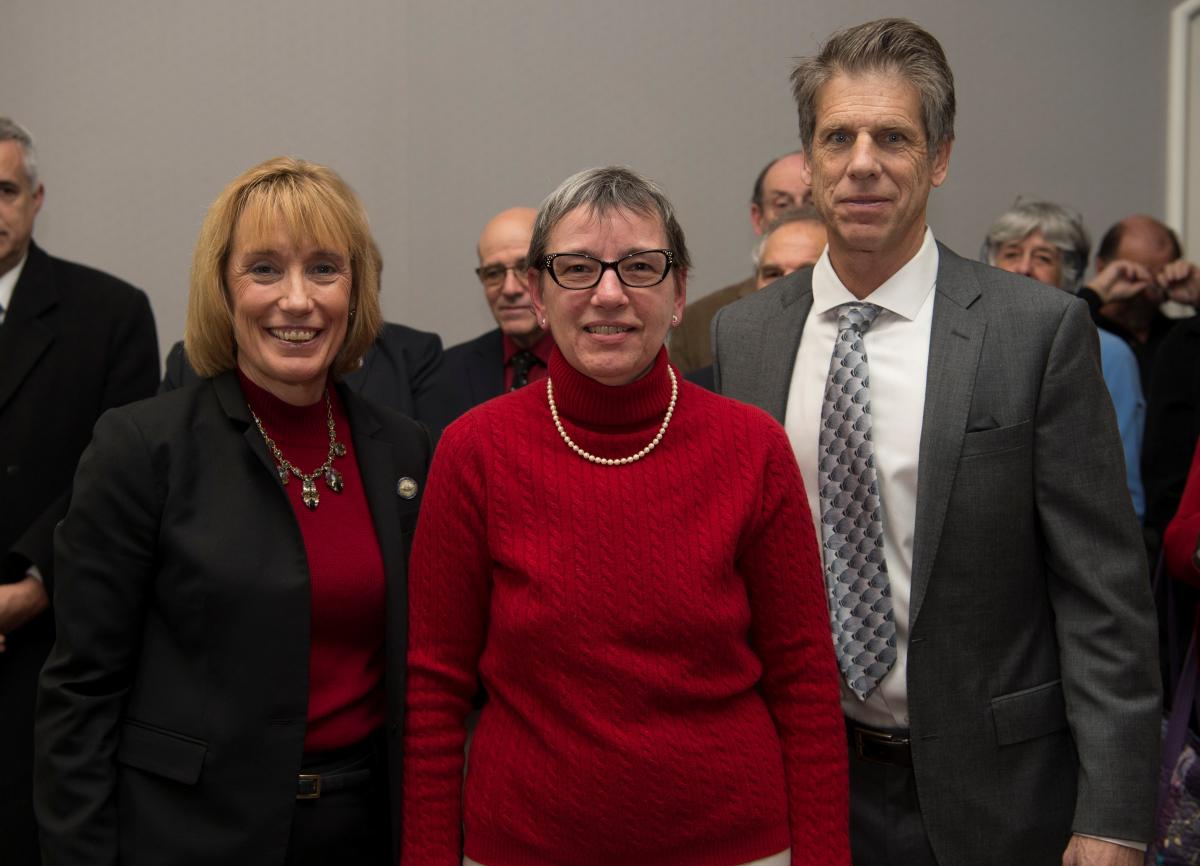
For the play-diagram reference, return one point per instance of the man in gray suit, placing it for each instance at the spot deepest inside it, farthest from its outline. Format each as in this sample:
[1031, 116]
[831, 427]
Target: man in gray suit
[989, 599]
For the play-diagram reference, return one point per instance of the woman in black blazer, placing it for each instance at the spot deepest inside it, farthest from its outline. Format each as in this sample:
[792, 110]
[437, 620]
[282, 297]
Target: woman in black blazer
[227, 682]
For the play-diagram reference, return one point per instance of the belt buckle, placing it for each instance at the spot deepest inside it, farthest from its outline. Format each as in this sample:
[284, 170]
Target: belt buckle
[864, 739]
[308, 786]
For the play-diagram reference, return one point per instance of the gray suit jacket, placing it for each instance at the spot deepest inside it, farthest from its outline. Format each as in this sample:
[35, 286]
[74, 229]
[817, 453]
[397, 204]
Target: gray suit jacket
[1032, 681]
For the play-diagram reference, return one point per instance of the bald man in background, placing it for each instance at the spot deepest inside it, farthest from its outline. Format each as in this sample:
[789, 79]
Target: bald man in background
[779, 187]
[517, 351]
[1140, 264]
[795, 240]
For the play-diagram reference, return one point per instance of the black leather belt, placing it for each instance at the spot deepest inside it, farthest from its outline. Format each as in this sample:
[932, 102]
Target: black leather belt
[351, 767]
[880, 747]
[310, 786]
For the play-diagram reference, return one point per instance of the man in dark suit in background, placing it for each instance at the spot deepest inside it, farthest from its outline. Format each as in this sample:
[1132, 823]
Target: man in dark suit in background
[516, 353]
[989, 600]
[73, 343]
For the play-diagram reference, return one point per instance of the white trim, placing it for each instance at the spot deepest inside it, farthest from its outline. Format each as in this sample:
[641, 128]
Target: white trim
[1177, 110]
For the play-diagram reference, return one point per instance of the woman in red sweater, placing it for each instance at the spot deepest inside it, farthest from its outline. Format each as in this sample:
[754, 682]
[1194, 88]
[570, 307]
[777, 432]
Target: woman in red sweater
[228, 677]
[626, 562]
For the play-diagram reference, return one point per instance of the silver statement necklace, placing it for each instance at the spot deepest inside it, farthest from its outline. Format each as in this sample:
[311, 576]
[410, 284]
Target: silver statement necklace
[613, 461]
[333, 479]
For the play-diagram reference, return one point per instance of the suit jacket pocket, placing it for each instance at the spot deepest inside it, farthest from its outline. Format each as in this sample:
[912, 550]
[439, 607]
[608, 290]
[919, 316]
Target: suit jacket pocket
[997, 439]
[165, 753]
[1029, 713]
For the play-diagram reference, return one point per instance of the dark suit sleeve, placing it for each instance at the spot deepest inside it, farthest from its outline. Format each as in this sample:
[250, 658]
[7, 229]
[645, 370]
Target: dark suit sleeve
[1099, 589]
[1172, 423]
[105, 552]
[132, 359]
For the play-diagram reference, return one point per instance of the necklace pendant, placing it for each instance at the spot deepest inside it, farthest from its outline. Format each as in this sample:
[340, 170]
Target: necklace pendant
[309, 494]
[339, 450]
[333, 480]
[283, 474]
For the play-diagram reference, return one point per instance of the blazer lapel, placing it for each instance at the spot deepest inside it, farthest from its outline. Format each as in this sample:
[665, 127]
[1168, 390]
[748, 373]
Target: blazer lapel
[233, 403]
[27, 331]
[954, 346]
[377, 466]
[780, 343]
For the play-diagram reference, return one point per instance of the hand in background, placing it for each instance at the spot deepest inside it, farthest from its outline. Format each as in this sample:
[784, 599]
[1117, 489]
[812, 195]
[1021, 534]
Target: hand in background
[19, 603]
[1180, 280]
[1121, 279]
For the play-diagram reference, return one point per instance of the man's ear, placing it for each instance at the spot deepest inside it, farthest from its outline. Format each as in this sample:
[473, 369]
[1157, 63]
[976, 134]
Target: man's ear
[941, 163]
[756, 218]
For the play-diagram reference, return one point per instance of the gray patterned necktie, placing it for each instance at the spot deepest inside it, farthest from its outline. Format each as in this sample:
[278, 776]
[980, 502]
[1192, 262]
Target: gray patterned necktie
[860, 599]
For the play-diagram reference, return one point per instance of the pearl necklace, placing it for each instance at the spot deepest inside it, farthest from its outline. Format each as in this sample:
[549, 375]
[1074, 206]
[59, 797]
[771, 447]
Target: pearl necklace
[613, 461]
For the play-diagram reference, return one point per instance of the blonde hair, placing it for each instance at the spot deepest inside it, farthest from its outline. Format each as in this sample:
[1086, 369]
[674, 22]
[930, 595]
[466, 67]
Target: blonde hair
[315, 206]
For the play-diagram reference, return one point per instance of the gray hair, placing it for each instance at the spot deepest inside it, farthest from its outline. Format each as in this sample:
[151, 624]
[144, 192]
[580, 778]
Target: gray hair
[890, 45]
[603, 191]
[804, 214]
[10, 130]
[1060, 226]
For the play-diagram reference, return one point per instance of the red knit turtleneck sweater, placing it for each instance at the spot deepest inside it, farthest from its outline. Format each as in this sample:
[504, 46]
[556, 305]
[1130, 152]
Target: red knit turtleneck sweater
[653, 638]
[345, 655]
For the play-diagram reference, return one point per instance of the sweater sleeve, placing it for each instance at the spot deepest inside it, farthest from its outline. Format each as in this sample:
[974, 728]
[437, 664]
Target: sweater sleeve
[448, 586]
[779, 562]
[1179, 541]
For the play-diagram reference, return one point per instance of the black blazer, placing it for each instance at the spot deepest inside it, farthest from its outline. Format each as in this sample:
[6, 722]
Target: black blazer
[172, 710]
[75, 342]
[400, 371]
[473, 373]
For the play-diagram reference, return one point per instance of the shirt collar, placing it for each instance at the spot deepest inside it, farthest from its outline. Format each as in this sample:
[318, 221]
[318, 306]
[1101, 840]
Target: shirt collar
[903, 293]
[8, 283]
[541, 349]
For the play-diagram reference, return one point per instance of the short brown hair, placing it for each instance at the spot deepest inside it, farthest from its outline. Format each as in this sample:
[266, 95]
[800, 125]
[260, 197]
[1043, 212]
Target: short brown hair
[891, 45]
[315, 205]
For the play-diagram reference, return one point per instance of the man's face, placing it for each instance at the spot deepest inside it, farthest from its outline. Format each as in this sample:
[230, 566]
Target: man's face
[784, 187]
[870, 168]
[19, 205]
[503, 247]
[790, 247]
[1032, 256]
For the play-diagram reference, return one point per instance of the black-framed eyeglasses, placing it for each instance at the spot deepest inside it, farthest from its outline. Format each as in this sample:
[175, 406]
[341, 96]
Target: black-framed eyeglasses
[494, 275]
[639, 270]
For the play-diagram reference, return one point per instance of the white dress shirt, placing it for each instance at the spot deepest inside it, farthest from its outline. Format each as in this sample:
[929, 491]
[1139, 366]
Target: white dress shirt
[8, 282]
[897, 346]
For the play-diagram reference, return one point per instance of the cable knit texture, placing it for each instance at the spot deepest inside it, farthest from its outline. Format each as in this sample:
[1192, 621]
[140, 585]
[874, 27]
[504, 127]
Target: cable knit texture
[345, 655]
[653, 638]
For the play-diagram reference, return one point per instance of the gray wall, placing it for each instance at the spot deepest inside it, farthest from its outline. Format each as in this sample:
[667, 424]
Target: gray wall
[442, 113]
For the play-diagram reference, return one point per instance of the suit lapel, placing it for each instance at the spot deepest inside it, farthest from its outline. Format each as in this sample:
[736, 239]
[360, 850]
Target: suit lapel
[781, 341]
[955, 342]
[28, 330]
